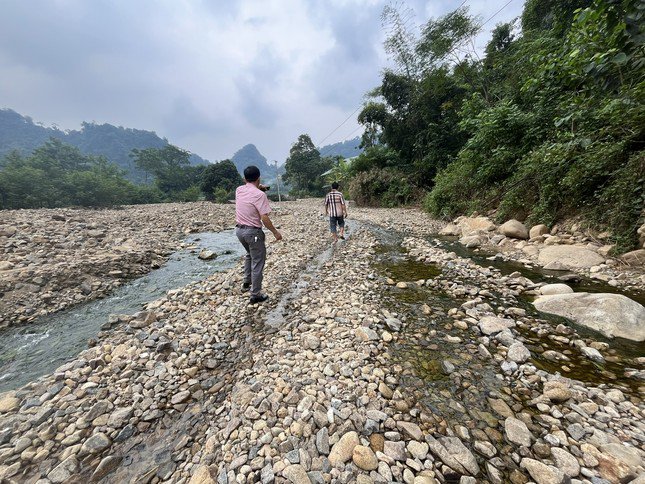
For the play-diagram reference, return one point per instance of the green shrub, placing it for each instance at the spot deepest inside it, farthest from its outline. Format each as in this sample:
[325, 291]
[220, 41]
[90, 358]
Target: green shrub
[382, 188]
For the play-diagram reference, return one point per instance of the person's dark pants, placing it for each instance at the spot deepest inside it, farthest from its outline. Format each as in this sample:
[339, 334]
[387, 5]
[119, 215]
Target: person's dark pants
[253, 241]
[336, 221]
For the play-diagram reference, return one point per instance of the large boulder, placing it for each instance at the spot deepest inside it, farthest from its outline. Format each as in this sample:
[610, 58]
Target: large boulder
[569, 256]
[514, 229]
[641, 235]
[551, 289]
[450, 229]
[610, 314]
[538, 230]
[474, 225]
[635, 257]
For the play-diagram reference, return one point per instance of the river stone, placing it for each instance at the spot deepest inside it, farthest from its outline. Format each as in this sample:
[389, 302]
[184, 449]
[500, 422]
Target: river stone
[106, 466]
[366, 334]
[343, 450]
[418, 450]
[515, 229]
[538, 230]
[410, 429]
[461, 454]
[613, 315]
[64, 471]
[296, 474]
[470, 225]
[592, 353]
[542, 473]
[490, 325]
[556, 391]
[95, 444]
[8, 231]
[364, 458]
[565, 461]
[120, 417]
[394, 450]
[634, 258]
[97, 410]
[472, 241]
[517, 432]
[570, 256]
[518, 353]
[551, 289]
[9, 403]
[450, 229]
[5, 265]
[201, 476]
[206, 254]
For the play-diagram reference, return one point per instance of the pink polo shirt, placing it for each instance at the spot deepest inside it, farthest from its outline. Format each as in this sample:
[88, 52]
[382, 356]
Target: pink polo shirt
[250, 204]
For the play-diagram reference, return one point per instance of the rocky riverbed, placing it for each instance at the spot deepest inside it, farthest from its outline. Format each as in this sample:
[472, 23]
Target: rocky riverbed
[386, 358]
[53, 259]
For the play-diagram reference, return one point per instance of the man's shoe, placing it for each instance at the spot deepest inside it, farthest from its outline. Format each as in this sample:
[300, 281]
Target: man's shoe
[258, 299]
[245, 287]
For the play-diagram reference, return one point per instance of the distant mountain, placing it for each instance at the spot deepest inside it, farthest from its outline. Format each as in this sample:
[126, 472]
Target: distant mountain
[249, 155]
[346, 149]
[20, 133]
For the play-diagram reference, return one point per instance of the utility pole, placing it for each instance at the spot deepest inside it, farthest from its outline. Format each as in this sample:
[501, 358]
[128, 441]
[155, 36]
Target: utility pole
[277, 179]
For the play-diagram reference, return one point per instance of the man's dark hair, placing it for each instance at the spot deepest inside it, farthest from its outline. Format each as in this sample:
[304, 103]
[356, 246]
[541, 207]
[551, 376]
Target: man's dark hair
[251, 173]
[334, 185]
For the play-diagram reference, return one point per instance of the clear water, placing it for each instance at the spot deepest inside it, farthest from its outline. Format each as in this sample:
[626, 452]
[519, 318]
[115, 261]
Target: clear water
[36, 349]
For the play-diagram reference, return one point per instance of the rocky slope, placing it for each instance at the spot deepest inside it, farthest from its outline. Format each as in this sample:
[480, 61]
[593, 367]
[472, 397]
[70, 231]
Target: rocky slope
[355, 371]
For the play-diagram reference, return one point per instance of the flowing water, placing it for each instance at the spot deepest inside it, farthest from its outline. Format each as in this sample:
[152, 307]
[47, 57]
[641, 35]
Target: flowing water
[29, 351]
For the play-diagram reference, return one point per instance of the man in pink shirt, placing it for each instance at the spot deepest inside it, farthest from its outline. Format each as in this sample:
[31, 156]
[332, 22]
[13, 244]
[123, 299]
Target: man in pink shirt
[251, 211]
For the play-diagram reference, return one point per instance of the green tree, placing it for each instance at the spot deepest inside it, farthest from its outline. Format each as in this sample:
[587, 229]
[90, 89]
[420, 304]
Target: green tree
[222, 178]
[304, 167]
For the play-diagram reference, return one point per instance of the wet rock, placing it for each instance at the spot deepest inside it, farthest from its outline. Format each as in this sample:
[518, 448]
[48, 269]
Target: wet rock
[206, 254]
[410, 429]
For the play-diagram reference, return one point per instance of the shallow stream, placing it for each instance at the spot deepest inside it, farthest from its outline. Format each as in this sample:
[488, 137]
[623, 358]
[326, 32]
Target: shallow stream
[29, 351]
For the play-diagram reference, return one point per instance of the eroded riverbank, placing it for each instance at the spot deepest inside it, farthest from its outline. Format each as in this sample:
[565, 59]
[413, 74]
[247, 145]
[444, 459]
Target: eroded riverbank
[356, 379]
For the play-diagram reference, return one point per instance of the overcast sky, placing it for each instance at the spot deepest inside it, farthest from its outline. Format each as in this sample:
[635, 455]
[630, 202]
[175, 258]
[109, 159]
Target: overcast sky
[209, 75]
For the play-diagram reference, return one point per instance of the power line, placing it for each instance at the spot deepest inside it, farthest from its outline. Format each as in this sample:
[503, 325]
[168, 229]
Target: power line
[337, 127]
[346, 138]
[496, 13]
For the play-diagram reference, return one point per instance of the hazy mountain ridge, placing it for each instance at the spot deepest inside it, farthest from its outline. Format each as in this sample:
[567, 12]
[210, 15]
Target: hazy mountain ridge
[18, 132]
[346, 149]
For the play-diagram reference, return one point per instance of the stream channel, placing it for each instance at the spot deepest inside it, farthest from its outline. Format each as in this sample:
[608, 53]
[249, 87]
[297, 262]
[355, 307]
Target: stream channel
[30, 351]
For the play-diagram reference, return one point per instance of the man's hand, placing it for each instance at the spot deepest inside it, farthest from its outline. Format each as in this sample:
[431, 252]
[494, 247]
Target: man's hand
[277, 235]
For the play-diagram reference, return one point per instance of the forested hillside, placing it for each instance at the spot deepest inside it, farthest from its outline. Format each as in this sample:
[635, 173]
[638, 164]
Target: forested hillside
[547, 124]
[346, 149]
[21, 133]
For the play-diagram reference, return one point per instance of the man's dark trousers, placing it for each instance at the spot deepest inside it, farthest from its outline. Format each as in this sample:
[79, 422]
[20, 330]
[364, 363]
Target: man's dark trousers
[253, 241]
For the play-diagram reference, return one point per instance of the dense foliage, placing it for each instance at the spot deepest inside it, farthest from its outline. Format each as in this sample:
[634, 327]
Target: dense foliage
[219, 181]
[547, 125]
[57, 175]
[114, 143]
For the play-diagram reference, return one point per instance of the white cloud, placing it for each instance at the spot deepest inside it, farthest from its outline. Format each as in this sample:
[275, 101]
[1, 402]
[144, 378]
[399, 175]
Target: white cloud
[209, 75]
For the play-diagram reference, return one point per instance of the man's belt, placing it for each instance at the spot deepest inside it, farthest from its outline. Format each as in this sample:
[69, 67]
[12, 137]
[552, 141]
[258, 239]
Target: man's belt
[239, 226]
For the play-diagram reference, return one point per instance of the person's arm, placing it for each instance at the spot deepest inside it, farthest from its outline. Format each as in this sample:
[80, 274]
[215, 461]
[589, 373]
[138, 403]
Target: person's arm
[269, 225]
[327, 206]
[344, 204]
